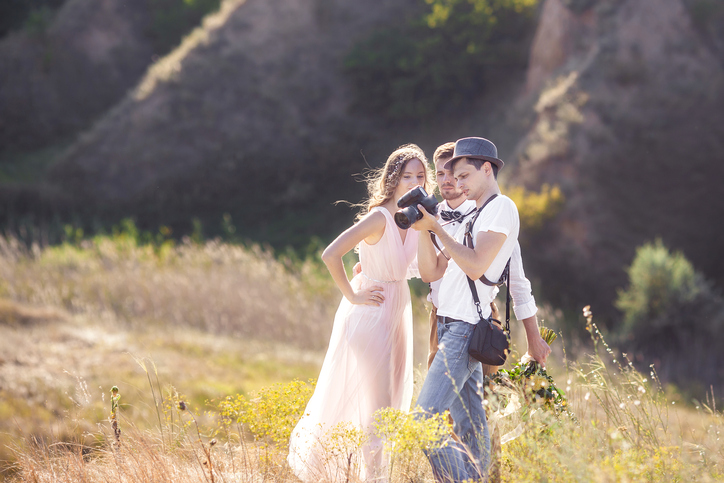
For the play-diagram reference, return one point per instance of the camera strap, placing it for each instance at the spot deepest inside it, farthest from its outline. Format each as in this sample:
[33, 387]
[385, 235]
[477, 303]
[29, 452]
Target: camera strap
[504, 277]
[460, 218]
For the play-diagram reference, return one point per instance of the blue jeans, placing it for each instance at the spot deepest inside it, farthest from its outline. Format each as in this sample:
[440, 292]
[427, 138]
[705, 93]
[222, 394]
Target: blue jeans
[455, 382]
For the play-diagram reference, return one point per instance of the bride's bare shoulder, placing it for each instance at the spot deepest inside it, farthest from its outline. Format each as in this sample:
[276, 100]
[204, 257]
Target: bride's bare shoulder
[375, 222]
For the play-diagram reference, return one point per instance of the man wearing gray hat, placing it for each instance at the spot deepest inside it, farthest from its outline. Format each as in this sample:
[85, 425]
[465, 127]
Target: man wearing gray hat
[455, 211]
[454, 380]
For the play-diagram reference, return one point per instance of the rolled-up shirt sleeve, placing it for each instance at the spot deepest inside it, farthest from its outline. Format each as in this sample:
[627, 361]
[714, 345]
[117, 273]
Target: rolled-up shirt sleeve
[520, 289]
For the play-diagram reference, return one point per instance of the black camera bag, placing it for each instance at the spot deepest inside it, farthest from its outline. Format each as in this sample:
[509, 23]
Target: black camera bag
[489, 342]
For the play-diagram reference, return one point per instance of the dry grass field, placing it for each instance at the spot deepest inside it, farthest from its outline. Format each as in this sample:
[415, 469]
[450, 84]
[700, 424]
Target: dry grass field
[209, 346]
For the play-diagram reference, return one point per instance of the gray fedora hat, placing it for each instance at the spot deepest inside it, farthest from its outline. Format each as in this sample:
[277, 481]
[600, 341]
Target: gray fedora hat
[478, 148]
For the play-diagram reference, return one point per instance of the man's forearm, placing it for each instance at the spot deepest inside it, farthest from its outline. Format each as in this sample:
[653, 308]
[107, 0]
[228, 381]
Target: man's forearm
[538, 349]
[466, 258]
[457, 251]
[531, 328]
[427, 259]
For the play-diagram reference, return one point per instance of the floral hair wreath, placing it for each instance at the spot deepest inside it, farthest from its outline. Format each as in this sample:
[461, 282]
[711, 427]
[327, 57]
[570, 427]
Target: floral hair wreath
[401, 158]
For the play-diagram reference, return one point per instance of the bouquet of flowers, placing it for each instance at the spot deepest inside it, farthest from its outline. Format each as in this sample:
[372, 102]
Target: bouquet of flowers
[532, 380]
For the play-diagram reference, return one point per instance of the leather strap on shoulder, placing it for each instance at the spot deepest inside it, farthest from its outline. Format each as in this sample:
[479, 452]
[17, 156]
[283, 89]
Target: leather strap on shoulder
[468, 242]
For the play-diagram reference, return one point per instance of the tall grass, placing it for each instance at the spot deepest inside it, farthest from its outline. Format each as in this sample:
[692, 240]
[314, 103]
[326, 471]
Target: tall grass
[214, 286]
[219, 318]
[618, 425]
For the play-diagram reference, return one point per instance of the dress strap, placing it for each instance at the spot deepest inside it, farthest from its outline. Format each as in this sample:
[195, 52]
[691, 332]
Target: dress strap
[385, 211]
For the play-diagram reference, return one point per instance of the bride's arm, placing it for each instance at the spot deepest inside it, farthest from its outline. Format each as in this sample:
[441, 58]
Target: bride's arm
[371, 227]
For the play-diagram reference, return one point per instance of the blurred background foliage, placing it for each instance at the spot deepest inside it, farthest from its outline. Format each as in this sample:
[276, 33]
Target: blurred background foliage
[439, 61]
[534, 208]
[172, 19]
[671, 308]
[16, 14]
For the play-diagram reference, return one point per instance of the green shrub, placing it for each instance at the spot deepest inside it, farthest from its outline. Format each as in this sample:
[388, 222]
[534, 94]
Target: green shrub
[659, 282]
[440, 59]
[403, 432]
[673, 317]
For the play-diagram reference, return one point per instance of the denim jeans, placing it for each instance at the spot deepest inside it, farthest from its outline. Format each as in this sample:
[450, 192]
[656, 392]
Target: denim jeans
[455, 382]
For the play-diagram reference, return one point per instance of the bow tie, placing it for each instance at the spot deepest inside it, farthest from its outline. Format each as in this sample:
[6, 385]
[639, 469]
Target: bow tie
[450, 215]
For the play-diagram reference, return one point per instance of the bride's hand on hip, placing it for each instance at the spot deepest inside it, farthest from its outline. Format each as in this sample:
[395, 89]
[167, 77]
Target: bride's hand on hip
[369, 296]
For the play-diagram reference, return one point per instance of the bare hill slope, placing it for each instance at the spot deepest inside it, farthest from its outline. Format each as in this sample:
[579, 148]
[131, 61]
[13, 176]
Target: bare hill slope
[243, 108]
[56, 78]
[629, 106]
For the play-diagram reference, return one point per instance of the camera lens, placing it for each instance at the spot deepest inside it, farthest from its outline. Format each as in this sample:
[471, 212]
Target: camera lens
[407, 216]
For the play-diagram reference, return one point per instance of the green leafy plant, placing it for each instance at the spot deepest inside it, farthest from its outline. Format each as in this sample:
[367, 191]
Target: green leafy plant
[440, 59]
[659, 283]
[672, 316]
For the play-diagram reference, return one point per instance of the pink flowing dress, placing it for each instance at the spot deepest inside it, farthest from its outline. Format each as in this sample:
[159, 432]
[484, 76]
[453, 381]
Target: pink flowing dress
[368, 366]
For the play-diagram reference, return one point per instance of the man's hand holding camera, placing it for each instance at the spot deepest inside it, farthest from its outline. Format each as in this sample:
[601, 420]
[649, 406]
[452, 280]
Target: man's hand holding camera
[432, 265]
[427, 222]
[410, 203]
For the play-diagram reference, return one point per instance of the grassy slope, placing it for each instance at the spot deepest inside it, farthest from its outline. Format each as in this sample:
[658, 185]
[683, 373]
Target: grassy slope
[213, 320]
[621, 427]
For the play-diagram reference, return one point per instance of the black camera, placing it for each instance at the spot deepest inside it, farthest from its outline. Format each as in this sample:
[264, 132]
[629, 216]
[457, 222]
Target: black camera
[409, 213]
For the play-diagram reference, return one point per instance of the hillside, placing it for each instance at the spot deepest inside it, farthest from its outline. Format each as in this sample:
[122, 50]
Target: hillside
[251, 104]
[63, 63]
[57, 75]
[628, 99]
[251, 116]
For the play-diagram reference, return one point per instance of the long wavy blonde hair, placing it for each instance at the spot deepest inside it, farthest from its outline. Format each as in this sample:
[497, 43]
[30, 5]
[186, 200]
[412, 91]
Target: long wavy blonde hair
[382, 182]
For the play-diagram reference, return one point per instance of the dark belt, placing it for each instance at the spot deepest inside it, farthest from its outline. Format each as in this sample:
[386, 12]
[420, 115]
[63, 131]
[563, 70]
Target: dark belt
[441, 319]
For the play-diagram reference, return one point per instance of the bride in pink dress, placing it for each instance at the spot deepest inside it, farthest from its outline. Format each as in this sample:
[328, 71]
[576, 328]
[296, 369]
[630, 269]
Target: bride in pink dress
[368, 365]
